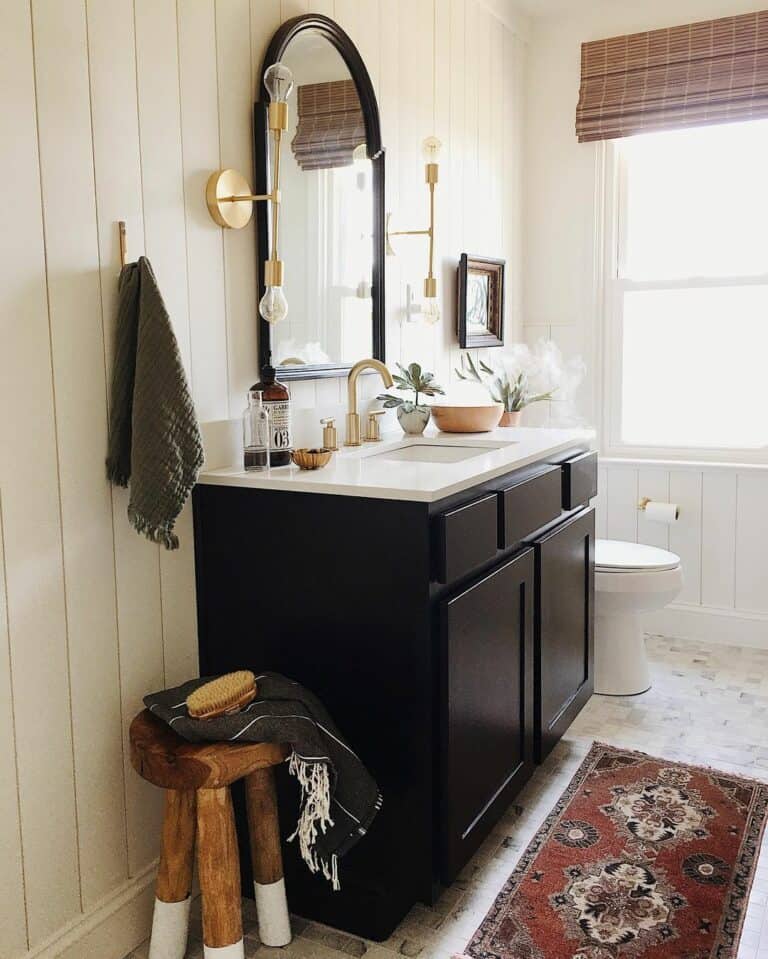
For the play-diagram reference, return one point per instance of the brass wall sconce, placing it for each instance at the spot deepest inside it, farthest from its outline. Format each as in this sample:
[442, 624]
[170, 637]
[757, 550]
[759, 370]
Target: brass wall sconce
[230, 200]
[430, 309]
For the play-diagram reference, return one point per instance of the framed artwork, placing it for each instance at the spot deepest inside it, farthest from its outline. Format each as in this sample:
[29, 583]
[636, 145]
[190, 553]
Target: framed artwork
[481, 301]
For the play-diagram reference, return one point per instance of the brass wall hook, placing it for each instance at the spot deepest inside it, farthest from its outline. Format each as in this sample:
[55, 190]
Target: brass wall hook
[123, 241]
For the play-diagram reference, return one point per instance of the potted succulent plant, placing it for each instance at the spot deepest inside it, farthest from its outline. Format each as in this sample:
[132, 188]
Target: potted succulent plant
[412, 415]
[510, 387]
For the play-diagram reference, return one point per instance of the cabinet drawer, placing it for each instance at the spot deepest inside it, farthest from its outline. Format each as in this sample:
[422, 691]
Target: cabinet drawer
[467, 538]
[528, 506]
[579, 480]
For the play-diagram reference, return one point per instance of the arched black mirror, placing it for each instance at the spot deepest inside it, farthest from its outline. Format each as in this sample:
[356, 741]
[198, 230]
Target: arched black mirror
[331, 225]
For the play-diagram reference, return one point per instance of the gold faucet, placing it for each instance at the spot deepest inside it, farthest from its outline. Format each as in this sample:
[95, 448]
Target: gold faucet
[353, 417]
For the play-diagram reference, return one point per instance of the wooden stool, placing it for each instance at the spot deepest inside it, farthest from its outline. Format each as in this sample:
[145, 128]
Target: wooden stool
[196, 778]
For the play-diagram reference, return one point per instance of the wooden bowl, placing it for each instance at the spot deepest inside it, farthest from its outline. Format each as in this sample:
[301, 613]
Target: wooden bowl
[467, 419]
[311, 459]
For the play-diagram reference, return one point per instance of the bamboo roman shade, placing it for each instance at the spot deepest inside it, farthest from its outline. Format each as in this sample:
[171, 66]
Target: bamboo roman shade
[703, 73]
[330, 125]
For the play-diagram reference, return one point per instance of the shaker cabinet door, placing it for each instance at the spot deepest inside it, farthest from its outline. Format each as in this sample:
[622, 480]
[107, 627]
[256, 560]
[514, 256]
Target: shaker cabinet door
[564, 645]
[487, 703]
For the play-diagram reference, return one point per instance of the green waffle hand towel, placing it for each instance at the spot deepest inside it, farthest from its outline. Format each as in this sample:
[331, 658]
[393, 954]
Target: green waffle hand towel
[154, 437]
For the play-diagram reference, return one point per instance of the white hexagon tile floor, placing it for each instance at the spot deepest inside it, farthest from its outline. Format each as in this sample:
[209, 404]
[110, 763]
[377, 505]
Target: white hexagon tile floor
[708, 705]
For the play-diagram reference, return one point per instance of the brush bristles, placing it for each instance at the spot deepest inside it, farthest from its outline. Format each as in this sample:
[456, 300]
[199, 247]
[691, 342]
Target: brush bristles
[227, 694]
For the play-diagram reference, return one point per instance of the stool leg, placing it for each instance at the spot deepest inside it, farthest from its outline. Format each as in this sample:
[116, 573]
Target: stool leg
[218, 866]
[170, 922]
[266, 858]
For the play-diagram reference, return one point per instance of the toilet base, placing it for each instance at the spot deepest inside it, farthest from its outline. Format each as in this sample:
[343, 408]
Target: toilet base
[621, 662]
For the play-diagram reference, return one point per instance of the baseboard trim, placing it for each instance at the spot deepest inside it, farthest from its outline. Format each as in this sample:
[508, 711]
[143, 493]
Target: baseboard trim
[725, 627]
[111, 929]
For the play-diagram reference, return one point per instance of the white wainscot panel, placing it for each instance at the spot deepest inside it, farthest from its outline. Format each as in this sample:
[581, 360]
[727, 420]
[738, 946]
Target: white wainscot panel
[621, 505]
[751, 539]
[685, 535]
[718, 539]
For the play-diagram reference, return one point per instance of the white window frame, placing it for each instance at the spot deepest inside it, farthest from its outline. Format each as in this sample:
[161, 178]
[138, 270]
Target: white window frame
[611, 183]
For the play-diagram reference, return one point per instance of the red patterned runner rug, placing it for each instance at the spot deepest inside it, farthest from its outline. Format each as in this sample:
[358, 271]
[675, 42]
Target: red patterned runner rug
[641, 857]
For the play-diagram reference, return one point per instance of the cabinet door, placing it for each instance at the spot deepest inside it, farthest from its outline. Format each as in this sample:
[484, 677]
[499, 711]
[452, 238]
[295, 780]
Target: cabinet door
[564, 647]
[487, 728]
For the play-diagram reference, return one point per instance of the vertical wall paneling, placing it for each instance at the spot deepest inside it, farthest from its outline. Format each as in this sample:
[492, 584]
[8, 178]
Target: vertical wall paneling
[751, 538]
[685, 535]
[201, 155]
[655, 484]
[236, 96]
[621, 505]
[162, 191]
[389, 86]
[67, 48]
[718, 539]
[162, 180]
[416, 117]
[292, 8]
[13, 926]
[119, 182]
[115, 110]
[451, 214]
[30, 498]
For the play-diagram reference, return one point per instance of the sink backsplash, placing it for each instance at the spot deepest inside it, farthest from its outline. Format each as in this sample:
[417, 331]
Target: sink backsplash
[311, 401]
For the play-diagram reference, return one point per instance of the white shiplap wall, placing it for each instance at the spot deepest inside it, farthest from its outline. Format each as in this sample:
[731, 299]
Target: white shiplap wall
[112, 109]
[721, 538]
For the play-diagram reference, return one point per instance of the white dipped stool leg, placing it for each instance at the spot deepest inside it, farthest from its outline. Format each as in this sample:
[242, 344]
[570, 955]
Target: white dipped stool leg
[170, 921]
[170, 928]
[266, 858]
[621, 661]
[235, 951]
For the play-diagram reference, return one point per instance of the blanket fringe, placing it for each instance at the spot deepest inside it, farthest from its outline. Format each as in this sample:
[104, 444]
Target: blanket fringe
[315, 813]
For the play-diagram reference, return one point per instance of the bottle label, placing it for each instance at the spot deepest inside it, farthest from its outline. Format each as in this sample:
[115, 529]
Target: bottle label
[279, 423]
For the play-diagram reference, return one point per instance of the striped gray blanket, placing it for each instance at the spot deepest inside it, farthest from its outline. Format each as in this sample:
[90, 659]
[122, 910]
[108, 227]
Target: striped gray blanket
[339, 796]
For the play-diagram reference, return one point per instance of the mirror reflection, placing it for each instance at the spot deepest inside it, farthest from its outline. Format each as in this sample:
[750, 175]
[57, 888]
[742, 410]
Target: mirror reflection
[326, 217]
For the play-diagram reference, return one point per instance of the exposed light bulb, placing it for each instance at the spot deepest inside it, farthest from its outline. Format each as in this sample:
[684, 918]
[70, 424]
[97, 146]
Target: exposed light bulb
[430, 310]
[278, 80]
[273, 306]
[430, 149]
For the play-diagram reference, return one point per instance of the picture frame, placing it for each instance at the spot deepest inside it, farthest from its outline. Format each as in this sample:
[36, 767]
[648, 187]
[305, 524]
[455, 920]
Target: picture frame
[481, 301]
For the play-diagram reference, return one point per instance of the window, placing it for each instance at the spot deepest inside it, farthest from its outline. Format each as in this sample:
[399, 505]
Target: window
[687, 291]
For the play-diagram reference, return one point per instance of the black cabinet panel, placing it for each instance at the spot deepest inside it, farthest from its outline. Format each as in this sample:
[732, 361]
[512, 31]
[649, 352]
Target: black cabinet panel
[487, 730]
[579, 480]
[467, 538]
[564, 626]
[527, 506]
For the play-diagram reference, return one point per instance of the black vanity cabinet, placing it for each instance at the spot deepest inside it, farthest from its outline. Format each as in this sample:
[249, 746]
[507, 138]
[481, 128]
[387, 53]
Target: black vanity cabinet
[486, 705]
[450, 641]
[564, 640]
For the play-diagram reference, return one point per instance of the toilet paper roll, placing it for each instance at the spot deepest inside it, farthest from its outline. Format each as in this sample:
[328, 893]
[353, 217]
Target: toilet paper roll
[662, 512]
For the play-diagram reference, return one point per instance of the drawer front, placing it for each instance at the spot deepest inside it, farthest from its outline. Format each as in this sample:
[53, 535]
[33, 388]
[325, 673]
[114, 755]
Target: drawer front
[528, 506]
[579, 480]
[467, 538]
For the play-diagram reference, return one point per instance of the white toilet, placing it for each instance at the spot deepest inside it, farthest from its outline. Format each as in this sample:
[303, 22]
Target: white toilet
[630, 579]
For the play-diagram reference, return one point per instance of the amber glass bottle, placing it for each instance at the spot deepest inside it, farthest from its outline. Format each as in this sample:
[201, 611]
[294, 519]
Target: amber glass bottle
[277, 401]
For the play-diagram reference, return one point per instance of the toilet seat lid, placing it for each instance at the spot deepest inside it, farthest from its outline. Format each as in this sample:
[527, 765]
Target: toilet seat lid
[615, 556]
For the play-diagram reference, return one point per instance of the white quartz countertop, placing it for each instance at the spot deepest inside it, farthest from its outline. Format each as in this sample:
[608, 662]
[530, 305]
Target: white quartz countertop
[367, 471]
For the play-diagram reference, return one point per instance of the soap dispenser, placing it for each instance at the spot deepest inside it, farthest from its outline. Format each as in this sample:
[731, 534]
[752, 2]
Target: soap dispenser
[277, 402]
[330, 437]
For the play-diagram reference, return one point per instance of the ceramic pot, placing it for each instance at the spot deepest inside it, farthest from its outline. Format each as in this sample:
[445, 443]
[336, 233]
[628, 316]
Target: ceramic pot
[415, 422]
[510, 419]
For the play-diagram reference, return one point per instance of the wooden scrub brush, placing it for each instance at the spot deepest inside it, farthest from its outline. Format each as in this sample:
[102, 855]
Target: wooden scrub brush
[221, 696]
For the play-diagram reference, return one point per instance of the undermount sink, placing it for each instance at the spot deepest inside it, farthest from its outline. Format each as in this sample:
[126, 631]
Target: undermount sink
[433, 453]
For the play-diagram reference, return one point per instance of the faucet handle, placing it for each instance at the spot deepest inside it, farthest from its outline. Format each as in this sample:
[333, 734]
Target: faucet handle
[373, 427]
[330, 436]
